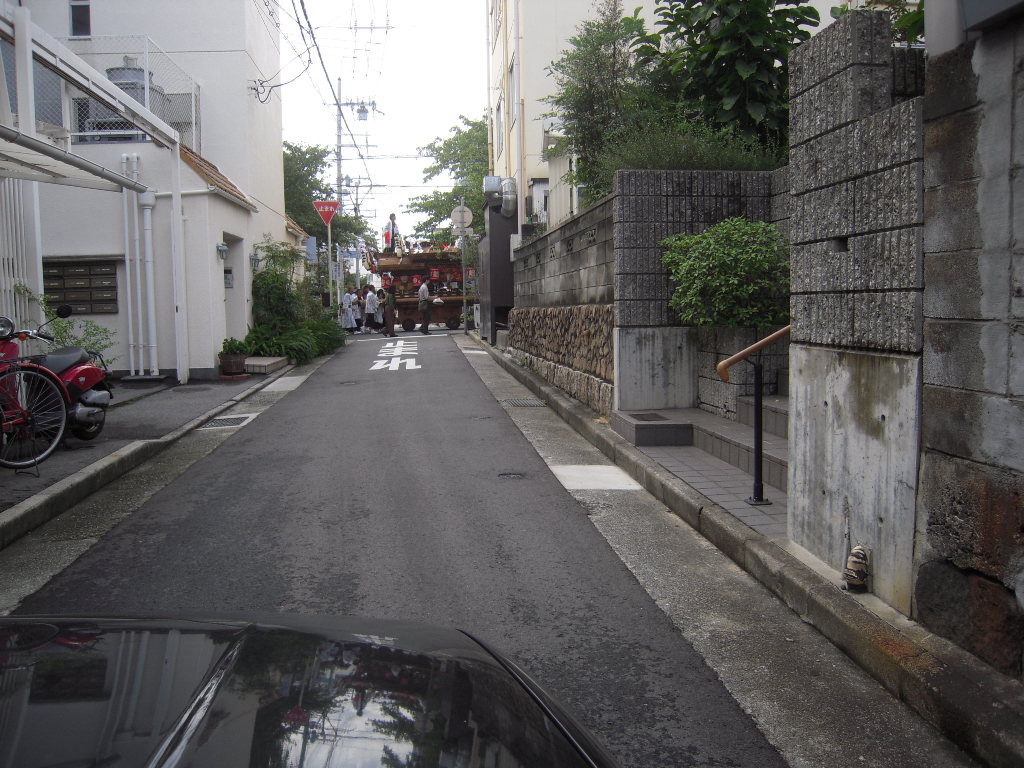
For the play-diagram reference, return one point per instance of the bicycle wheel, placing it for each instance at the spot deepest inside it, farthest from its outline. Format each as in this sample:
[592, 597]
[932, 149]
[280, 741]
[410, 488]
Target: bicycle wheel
[34, 418]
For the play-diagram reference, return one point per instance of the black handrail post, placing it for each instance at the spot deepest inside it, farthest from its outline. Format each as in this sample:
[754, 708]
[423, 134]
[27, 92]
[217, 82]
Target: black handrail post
[758, 499]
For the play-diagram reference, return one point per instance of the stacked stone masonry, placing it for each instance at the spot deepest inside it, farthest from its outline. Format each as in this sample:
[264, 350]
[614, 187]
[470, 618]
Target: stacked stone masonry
[577, 337]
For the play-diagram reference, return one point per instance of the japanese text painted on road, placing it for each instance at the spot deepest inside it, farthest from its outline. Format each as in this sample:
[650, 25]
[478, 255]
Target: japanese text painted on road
[396, 355]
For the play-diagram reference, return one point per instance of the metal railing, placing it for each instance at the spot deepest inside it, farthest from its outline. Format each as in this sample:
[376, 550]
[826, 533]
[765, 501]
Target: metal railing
[757, 499]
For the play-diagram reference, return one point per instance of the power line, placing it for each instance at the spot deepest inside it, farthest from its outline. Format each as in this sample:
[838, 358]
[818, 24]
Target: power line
[323, 66]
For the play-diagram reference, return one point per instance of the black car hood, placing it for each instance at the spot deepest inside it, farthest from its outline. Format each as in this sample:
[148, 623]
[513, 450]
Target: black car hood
[291, 691]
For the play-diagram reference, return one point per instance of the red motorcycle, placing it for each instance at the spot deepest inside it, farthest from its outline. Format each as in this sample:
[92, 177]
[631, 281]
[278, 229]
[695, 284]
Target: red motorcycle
[69, 381]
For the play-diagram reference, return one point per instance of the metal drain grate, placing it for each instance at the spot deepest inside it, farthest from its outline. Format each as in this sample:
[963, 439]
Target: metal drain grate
[512, 476]
[225, 422]
[525, 403]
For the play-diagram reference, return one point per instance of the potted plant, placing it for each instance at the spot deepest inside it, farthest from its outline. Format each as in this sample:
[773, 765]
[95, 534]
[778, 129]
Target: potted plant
[232, 357]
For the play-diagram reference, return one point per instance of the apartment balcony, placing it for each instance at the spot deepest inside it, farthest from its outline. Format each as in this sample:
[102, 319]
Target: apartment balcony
[149, 76]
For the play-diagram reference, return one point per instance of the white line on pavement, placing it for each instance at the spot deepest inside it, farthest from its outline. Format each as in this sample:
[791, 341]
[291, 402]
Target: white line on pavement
[285, 384]
[594, 477]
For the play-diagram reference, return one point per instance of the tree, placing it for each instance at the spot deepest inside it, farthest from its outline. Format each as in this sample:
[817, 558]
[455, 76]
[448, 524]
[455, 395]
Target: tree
[730, 59]
[600, 90]
[462, 155]
[304, 168]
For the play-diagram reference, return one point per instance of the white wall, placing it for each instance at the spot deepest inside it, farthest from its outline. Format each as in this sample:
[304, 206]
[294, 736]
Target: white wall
[224, 46]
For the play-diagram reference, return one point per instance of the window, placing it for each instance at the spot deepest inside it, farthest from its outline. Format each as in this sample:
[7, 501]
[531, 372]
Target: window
[496, 18]
[513, 87]
[81, 24]
[499, 127]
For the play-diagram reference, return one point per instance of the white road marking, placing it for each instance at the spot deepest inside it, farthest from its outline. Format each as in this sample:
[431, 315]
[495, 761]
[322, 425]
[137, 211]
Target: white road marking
[285, 384]
[394, 364]
[594, 477]
[473, 352]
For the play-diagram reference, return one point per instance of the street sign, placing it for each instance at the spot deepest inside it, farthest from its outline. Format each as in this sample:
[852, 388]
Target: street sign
[461, 231]
[462, 217]
[326, 209]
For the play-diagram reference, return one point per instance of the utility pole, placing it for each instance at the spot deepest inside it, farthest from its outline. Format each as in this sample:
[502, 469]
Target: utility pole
[340, 179]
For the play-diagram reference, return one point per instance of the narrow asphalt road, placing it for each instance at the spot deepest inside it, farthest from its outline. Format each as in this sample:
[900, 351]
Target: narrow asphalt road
[391, 483]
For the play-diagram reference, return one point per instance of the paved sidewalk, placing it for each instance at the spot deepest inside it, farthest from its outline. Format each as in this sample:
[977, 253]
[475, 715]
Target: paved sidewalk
[970, 703]
[145, 418]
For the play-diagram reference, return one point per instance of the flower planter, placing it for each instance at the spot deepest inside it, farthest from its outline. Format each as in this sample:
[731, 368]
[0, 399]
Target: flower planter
[232, 364]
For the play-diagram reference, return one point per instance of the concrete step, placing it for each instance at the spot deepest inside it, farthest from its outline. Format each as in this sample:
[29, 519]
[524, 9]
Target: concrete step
[730, 441]
[775, 416]
[264, 364]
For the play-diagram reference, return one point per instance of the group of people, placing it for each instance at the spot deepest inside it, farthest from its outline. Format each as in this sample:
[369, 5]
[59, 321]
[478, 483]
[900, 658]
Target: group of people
[366, 310]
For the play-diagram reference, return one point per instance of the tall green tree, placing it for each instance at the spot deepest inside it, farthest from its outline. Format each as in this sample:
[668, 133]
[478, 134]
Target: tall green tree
[305, 168]
[463, 156]
[601, 89]
[730, 58]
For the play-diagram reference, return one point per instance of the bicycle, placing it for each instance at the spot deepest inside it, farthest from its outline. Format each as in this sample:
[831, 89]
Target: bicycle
[34, 416]
[33, 408]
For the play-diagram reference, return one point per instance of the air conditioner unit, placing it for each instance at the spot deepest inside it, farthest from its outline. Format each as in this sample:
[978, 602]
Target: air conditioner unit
[492, 188]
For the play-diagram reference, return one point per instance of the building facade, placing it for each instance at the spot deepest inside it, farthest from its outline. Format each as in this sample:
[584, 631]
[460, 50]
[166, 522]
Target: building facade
[168, 269]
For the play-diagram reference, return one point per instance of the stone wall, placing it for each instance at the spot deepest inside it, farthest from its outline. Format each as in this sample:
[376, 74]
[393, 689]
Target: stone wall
[857, 287]
[569, 346]
[970, 583]
[609, 256]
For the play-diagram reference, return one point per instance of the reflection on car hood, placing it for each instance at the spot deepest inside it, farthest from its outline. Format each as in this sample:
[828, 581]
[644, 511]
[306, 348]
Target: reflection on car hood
[292, 691]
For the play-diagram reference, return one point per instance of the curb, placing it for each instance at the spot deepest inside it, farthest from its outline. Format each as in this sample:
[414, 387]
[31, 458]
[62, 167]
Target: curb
[26, 515]
[967, 701]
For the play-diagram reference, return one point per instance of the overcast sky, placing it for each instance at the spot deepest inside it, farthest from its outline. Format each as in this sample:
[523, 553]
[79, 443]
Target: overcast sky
[423, 63]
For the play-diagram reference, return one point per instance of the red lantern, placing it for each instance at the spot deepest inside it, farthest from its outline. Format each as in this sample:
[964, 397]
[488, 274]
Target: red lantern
[386, 281]
[416, 280]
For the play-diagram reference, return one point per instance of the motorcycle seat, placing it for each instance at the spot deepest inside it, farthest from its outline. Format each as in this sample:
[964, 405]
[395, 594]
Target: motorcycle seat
[59, 360]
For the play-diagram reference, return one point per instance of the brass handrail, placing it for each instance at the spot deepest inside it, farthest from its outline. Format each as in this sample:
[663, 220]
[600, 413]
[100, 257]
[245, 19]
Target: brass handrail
[724, 366]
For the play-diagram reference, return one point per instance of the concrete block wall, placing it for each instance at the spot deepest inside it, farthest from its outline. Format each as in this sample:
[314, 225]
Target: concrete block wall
[856, 169]
[716, 344]
[648, 207]
[570, 265]
[970, 579]
[652, 205]
[610, 256]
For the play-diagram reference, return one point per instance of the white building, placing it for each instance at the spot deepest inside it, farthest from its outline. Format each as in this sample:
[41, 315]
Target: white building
[524, 38]
[171, 279]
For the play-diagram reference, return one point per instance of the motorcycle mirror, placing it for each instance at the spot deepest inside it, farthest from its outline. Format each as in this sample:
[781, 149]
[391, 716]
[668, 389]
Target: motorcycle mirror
[64, 310]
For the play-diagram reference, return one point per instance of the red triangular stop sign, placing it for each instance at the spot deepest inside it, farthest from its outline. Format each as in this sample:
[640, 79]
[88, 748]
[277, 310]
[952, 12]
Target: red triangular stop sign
[326, 209]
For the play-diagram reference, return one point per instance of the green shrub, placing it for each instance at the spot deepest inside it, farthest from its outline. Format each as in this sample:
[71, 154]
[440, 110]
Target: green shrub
[233, 346]
[665, 144]
[72, 331]
[312, 338]
[736, 273]
[327, 334]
